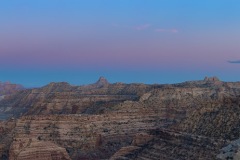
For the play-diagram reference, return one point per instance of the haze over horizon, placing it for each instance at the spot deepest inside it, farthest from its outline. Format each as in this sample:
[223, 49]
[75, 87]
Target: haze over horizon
[125, 41]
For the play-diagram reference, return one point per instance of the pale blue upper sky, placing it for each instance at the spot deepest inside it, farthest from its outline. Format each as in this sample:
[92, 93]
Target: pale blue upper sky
[150, 41]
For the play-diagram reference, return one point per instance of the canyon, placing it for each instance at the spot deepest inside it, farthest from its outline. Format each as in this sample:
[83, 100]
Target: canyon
[59, 121]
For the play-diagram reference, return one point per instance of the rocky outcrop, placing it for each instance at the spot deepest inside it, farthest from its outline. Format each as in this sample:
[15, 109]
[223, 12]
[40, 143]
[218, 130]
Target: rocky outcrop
[216, 119]
[102, 82]
[211, 79]
[87, 136]
[231, 151]
[25, 149]
[6, 137]
[169, 145]
[121, 154]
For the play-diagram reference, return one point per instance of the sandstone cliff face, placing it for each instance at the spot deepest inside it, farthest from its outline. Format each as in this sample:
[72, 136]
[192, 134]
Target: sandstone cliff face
[25, 149]
[85, 136]
[191, 120]
[201, 121]
[218, 118]
[172, 145]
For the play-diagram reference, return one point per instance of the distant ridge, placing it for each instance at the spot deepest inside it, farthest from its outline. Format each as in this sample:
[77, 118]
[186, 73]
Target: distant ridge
[7, 88]
[102, 82]
[211, 79]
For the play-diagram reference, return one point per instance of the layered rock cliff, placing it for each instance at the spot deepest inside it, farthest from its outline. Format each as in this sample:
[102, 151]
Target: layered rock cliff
[190, 120]
[62, 98]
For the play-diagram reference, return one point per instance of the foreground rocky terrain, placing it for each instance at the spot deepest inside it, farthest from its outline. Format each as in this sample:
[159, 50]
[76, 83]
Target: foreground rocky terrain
[190, 120]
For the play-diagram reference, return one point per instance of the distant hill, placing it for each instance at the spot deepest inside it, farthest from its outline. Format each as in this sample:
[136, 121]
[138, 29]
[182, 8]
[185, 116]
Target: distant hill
[7, 88]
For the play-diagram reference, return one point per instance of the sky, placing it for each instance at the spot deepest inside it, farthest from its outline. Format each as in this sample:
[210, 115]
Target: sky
[143, 41]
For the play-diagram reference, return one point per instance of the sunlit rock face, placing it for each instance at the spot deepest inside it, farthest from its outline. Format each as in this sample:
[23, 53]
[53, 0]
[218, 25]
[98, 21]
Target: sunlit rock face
[25, 149]
[190, 120]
